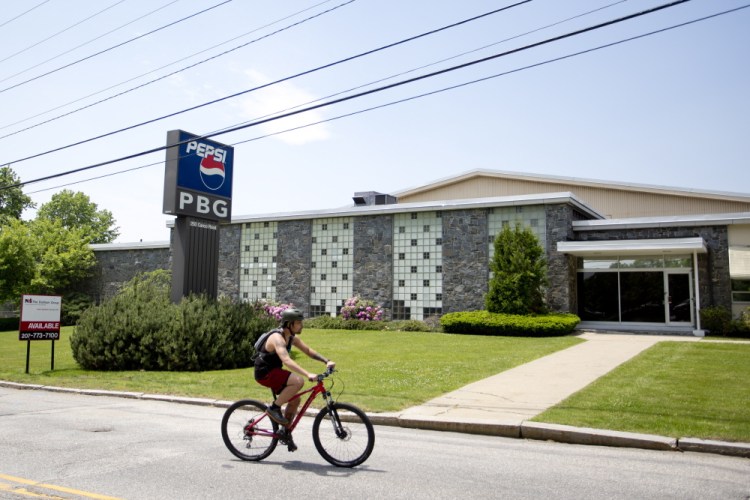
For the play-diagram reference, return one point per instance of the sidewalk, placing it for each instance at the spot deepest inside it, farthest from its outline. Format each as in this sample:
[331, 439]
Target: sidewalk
[502, 404]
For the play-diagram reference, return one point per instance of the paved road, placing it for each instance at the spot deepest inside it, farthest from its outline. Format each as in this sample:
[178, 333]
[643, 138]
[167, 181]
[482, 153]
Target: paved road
[74, 446]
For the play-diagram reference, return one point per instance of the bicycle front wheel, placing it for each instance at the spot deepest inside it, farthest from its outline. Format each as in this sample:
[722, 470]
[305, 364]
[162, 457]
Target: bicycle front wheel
[248, 431]
[343, 435]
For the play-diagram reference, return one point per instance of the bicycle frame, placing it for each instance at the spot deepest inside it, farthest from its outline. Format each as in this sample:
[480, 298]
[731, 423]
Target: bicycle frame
[314, 392]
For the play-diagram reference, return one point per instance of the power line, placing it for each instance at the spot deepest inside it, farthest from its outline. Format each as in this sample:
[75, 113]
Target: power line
[59, 33]
[175, 72]
[89, 41]
[110, 48]
[148, 72]
[399, 101]
[380, 106]
[23, 13]
[307, 72]
[380, 89]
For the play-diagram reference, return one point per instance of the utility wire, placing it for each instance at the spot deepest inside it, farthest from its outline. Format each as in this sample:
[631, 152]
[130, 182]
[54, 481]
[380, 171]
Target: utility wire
[393, 85]
[364, 85]
[174, 72]
[148, 72]
[400, 101]
[23, 13]
[307, 72]
[59, 33]
[93, 39]
[110, 48]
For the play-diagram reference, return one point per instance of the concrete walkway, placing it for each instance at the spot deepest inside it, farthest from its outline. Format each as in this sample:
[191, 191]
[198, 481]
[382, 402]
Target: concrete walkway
[523, 392]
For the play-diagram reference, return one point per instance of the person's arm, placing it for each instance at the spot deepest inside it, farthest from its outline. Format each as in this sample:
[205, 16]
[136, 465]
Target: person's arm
[280, 347]
[299, 344]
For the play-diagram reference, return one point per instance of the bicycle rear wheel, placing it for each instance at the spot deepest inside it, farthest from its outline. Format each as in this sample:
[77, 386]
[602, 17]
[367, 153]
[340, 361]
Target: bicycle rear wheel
[248, 431]
[343, 435]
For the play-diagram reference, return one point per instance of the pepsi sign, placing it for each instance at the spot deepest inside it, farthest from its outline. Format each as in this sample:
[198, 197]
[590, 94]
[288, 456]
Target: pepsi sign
[198, 177]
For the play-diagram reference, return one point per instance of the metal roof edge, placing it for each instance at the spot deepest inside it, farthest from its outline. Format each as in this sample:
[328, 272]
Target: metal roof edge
[141, 245]
[664, 221]
[425, 206]
[626, 186]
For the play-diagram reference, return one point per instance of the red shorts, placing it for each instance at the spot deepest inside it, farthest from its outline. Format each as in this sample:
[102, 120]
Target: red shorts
[275, 380]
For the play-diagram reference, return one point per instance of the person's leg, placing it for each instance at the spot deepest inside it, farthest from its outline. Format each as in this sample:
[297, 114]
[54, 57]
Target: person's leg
[293, 385]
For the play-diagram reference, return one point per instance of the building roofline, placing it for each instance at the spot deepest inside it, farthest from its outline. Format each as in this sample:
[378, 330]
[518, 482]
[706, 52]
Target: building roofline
[141, 245]
[664, 221]
[622, 186]
[426, 206]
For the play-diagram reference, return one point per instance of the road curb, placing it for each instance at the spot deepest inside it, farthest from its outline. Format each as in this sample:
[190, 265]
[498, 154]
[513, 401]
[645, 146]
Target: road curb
[524, 430]
[595, 437]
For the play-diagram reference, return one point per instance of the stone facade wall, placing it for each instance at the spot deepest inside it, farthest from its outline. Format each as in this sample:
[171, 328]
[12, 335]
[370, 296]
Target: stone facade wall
[373, 259]
[229, 261]
[465, 260]
[561, 268]
[114, 268]
[293, 263]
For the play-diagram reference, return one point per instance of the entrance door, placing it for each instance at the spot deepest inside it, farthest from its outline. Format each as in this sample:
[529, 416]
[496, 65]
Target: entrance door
[679, 298]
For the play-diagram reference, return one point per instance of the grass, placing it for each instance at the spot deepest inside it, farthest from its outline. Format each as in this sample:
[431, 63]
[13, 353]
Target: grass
[379, 371]
[678, 389]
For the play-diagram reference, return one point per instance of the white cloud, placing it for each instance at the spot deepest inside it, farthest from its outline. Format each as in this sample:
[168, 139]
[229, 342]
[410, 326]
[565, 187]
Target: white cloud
[279, 99]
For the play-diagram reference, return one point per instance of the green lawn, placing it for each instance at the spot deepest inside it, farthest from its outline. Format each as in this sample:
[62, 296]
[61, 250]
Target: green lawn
[378, 371]
[690, 389]
[679, 389]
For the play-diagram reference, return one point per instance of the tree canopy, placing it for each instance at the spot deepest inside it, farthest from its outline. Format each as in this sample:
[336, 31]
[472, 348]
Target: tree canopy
[75, 210]
[12, 200]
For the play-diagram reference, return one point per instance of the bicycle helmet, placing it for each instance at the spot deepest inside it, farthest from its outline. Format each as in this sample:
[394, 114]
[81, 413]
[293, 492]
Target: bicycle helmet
[292, 314]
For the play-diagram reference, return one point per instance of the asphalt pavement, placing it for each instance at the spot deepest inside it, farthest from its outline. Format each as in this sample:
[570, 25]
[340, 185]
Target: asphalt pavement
[503, 404]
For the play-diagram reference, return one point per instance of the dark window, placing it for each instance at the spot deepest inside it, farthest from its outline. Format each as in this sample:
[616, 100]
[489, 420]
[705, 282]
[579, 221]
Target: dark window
[400, 311]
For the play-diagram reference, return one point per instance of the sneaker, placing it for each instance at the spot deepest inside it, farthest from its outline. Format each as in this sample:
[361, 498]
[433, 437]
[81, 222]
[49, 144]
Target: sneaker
[276, 416]
[285, 437]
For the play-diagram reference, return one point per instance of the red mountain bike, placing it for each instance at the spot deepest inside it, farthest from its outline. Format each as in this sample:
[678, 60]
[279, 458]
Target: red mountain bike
[342, 433]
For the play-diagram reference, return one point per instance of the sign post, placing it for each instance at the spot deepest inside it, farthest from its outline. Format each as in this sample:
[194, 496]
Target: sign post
[198, 191]
[40, 320]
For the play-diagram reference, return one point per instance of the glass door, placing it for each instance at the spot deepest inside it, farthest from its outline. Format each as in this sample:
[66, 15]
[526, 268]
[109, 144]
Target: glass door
[679, 294]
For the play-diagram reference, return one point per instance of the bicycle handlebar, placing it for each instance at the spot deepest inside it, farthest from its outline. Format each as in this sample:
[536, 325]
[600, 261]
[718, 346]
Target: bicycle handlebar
[327, 373]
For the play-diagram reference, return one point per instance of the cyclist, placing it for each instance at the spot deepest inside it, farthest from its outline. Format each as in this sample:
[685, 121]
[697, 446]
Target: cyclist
[269, 371]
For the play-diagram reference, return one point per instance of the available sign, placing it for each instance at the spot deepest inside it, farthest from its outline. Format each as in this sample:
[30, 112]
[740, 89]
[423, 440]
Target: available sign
[40, 317]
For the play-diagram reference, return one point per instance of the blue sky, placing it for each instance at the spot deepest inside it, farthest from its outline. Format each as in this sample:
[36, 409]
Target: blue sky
[670, 109]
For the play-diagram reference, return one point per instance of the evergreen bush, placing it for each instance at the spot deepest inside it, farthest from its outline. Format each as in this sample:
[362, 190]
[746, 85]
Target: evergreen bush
[141, 329]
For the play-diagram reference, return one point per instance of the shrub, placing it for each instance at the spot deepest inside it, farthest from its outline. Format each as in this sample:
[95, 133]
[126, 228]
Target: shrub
[274, 309]
[73, 305]
[358, 309]
[519, 273]
[141, 329]
[487, 323]
[717, 320]
[8, 324]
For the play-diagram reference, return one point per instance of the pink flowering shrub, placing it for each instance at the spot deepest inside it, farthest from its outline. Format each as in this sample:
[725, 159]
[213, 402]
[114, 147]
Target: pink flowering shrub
[362, 310]
[274, 310]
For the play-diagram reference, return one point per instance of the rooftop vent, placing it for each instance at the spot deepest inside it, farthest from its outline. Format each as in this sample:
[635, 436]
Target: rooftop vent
[366, 198]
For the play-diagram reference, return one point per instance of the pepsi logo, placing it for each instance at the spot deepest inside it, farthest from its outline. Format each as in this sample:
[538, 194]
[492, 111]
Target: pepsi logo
[212, 165]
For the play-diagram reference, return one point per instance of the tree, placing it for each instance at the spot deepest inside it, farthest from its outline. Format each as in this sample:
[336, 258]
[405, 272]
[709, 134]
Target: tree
[12, 200]
[519, 273]
[77, 211]
[64, 256]
[17, 259]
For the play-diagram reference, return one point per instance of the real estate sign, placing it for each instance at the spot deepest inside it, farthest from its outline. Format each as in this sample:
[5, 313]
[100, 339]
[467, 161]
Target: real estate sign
[40, 317]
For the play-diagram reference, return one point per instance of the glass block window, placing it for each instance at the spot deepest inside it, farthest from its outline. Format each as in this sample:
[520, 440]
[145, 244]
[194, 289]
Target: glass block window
[533, 217]
[417, 256]
[332, 238]
[258, 261]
